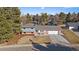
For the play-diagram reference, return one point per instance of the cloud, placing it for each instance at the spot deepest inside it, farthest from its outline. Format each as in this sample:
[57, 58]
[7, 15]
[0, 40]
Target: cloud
[42, 7]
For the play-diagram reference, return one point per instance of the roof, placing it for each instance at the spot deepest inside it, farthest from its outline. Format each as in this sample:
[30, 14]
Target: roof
[42, 27]
[73, 24]
[28, 25]
[47, 28]
[28, 30]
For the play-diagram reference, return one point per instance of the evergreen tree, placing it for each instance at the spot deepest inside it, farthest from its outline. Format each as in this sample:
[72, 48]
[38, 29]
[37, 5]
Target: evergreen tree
[77, 16]
[9, 22]
[29, 18]
[68, 18]
[62, 17]
[44, 18]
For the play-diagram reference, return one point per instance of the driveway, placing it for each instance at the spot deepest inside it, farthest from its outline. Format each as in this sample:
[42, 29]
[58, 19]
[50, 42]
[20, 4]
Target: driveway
[58, 39]
[77, 33]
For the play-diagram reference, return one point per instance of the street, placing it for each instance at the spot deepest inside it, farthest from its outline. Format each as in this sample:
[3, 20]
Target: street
[16, 48]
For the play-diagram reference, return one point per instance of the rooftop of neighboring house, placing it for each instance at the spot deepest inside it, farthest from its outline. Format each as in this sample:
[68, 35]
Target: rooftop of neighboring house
[73, 24]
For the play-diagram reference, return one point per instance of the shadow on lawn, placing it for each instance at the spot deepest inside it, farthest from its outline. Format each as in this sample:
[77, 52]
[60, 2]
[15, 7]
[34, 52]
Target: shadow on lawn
[51, 47]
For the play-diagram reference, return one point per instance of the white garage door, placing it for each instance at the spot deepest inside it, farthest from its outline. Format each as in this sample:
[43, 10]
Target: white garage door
[52, 32]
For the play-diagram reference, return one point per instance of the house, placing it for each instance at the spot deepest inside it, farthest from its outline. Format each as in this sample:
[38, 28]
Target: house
[39, 29]
[48, 30]
[73, 25]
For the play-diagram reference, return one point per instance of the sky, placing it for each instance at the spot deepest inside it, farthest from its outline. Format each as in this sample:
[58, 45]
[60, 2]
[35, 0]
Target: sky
[49, 10]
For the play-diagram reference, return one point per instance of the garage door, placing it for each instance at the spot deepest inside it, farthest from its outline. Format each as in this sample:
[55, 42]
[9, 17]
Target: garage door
[52, 32]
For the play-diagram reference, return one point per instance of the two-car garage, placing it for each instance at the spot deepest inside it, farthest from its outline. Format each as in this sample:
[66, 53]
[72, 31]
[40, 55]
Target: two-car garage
[52, 32]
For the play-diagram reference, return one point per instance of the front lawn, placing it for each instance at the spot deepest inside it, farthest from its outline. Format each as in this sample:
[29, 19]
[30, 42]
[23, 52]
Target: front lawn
[70, 36]
[42, 39]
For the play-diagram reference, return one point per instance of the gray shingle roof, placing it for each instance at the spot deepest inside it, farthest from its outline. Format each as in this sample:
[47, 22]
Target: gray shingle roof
[73, 24]
[47, 28]
[42, 28]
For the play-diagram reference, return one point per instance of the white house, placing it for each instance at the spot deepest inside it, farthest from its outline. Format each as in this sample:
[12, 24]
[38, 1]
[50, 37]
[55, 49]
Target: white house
[73, 25]
[48, 29]
[39, 29]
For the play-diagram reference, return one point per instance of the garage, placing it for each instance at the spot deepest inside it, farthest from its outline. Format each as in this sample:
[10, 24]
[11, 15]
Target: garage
[48, 30]
[52, 32]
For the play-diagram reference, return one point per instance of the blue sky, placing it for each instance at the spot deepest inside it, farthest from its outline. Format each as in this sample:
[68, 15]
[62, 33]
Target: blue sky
[49, 10]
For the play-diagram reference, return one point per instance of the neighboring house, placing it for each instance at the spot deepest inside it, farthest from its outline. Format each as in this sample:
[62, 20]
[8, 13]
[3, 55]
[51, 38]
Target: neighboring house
[73, 25]
[39, 29]
[28, 29]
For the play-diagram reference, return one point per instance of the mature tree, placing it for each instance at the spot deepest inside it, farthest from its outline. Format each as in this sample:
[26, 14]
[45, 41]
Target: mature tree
[23, 20]
[68, 18]
[29, 18]
[44, 18]
[16, 19]
[52, 20]
[57, 19]
[77, 16]
[74, 17]
[36, 19]
[62, 17]
[9, 22]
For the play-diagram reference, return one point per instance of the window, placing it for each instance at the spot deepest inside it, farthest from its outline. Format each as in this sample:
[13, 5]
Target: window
[78, 27]
[31, 28]
[24, 28]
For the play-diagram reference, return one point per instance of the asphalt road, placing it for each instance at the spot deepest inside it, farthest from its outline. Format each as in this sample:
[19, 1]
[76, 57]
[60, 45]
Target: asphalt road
[36, 47]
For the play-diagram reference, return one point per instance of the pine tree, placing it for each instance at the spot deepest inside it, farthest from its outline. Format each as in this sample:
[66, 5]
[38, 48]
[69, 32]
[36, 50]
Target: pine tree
[62, 17]
[9, 22]
[68, 18]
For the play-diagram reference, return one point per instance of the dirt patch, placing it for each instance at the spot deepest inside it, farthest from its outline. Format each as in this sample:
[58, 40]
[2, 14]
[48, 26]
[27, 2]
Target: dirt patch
[25, 40]
[13, 40]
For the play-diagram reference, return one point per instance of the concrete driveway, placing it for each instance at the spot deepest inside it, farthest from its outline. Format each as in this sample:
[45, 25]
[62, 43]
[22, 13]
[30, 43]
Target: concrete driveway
[77, 33]
[58, 39]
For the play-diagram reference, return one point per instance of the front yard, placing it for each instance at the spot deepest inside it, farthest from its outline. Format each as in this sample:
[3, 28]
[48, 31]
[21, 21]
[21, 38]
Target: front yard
[42, 40]
[70, 36]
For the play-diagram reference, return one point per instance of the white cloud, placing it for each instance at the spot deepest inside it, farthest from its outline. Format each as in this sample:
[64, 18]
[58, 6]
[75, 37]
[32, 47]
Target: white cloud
[42, 7]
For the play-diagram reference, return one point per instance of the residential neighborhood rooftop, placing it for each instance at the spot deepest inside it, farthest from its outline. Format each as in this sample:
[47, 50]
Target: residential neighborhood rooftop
[73, 23]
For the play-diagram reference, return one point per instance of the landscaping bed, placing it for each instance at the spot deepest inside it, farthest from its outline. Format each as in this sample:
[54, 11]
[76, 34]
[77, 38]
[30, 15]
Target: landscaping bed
[70, 36]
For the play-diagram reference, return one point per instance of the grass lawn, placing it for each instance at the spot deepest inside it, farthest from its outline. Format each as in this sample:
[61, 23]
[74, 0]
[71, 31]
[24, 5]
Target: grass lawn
[70, 36]
[42, 39]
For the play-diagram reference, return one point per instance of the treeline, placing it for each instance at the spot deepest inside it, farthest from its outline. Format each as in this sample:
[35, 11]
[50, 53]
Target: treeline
[9, 22]
[47, 19]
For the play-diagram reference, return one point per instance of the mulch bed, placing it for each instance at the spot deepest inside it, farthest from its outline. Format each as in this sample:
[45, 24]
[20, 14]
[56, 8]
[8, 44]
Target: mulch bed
[13, 40]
